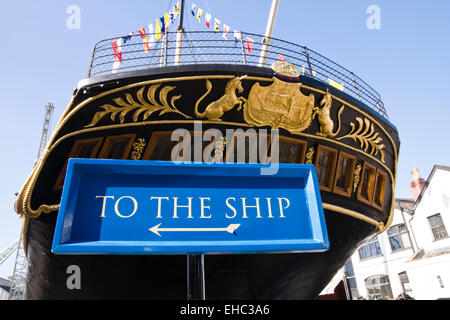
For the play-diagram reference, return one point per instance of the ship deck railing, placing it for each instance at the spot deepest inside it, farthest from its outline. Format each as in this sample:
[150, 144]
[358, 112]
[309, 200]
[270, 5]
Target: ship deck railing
[209, 47]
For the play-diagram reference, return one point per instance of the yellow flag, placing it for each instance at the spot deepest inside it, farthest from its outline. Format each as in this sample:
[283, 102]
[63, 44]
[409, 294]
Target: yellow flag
[336, 84]
[177, 9]
[199, 14]
[158, 30]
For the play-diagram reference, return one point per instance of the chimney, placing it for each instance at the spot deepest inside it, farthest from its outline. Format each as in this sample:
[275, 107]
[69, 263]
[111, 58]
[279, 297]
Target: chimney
[417, 184]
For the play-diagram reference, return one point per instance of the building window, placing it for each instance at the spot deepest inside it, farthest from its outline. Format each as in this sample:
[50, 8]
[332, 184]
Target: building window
[344, 174]
[370, 249]
[291, 150]
[404, 280]
[117, 147]
[437, 227]
[398, 237]
[82, 149]
[326, 167]
[379, 288]
[366, 187]
[380, 187]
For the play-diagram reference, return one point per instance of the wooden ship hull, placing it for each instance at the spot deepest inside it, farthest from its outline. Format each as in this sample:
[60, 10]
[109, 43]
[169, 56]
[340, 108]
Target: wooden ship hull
[131, 115]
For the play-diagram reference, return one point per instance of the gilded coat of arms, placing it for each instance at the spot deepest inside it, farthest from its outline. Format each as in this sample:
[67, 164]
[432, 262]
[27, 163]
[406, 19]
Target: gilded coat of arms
[280, 105]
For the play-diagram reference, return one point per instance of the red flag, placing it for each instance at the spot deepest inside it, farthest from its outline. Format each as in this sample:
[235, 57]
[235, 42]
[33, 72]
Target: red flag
[117, 48]
[250, 43]
[145, 39]
[280, 57]
[207, 19]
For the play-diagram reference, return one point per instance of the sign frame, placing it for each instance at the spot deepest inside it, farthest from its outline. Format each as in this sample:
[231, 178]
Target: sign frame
[80, 168]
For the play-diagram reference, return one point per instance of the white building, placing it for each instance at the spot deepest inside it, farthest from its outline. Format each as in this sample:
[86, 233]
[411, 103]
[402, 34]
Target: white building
[413, 255]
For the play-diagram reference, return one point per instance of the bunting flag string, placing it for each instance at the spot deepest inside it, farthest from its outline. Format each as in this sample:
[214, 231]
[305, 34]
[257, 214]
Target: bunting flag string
[198, 12]
[158, 28]
[149, 38]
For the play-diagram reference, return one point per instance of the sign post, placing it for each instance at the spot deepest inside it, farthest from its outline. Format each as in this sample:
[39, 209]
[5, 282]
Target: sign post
[161, 208]
[196, 277]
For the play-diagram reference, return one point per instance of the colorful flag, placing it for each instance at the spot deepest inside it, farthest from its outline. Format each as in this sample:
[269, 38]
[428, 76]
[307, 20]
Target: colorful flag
[177, 9]
[127, 38]
[193, 9]
[145, 40]
[166, 21]
[158, 30]
[216, 25]
[237, 37]
[226, 29]
[207, 19]
[163, 25]
[280, 57]
[172, 15]
[151, 31]
[199, 14]
[250, 43]
[117, 48]
[336, 84]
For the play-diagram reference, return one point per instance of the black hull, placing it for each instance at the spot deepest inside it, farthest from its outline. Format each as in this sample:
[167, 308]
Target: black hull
[278, 276]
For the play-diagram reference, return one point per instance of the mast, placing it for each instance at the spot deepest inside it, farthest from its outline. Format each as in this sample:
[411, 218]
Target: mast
[269, 31]
[180, 31]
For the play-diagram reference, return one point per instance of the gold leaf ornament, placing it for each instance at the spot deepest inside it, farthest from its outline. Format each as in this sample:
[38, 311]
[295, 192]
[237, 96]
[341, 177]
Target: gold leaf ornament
[367, 137]
[141, 107]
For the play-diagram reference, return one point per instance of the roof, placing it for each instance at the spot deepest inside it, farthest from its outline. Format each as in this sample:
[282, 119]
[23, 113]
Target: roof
[427, 183]
[404, 204]
[5, 284]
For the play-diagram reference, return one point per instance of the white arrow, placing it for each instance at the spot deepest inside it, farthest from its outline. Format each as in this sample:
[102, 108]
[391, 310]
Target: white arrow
[230, 229]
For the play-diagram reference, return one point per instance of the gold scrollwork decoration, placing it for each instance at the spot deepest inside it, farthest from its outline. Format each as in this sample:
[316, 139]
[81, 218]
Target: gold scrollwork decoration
[141, 107]
[138, 148]
[220, 147]
[366, 135]
[356, 177]
[309, 156]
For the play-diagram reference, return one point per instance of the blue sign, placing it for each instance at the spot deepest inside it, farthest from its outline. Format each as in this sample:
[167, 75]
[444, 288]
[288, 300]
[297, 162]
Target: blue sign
[152, 207]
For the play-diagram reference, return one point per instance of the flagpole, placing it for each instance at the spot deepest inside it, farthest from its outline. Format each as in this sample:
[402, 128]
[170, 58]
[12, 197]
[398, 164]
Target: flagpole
[269, 31]
[180, 31]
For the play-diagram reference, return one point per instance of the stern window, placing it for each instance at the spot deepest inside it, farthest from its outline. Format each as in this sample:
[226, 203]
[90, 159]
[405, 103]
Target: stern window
[366, 188]
[85, 149]
[344, 175]
[325, 167]
[117, 147]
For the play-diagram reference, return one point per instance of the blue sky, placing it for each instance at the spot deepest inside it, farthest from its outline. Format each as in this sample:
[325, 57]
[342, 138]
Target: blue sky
[406, 61]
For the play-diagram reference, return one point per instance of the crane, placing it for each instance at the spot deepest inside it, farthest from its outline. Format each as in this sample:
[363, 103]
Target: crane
[9, 251]
[19, 278]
